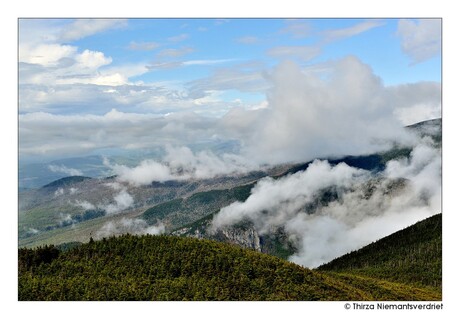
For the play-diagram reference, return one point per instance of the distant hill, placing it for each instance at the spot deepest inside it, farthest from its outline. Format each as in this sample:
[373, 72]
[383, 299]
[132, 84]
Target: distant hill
[412, 256]
[174, 268]
[66, 181]
[35, 175]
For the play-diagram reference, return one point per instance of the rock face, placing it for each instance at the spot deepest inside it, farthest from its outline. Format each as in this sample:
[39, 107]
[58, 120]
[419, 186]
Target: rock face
[247, 238]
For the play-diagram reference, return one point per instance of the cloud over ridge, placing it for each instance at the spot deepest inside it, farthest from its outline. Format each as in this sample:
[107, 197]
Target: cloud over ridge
[366, 207]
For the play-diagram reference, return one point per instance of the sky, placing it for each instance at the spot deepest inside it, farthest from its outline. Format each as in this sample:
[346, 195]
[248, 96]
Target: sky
[99, 86]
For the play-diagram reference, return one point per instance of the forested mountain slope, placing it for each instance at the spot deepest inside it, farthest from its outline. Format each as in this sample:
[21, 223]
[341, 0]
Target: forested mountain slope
[174, 268]
[412, 256]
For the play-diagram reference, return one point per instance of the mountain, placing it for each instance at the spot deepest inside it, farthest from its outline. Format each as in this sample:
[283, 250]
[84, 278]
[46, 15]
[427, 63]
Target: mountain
[173, 268]
[36, 175]
[376, 162]
[75, 208]
[411, 256]
[59, 211]
[66, 181]
[275, 242]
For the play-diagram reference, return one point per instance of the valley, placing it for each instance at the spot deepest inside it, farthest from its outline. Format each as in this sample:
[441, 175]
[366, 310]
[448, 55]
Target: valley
[74, 213]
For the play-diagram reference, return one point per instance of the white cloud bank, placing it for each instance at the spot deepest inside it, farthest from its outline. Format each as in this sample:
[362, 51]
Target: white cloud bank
[406, 192]
[345, 109]
[180, 163]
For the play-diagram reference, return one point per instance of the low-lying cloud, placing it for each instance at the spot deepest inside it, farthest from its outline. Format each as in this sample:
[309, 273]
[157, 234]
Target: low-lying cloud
[367, 206]
[84, 204]
[122, 201]
[65, 170]
[180, 163]
[129, 225]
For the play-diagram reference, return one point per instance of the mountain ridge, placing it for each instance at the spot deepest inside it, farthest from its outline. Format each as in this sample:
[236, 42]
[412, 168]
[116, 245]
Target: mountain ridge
[55, 214]
[172, 268]
[411, 255]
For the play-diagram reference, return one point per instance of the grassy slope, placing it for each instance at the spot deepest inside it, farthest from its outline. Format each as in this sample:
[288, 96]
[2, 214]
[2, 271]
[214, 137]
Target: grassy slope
[182, 211]
[412, 256]
[174, 268]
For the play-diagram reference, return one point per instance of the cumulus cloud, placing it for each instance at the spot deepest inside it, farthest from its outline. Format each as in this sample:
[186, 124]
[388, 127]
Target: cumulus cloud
[56, 64]
[61, 64]
[65, 170]
[92, 59]
[420, 39]
[180, 163]
[345, 110]
[56, 74]
[127, 225]
[45, 54]
[365, 207]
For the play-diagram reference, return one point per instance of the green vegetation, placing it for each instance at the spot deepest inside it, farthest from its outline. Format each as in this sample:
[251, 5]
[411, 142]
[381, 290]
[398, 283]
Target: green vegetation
[68, 246]
[160, 211]
[182, 211]
[44, 218]
[174, 268]
[411, 256]
[404, 266]
[66, 181]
